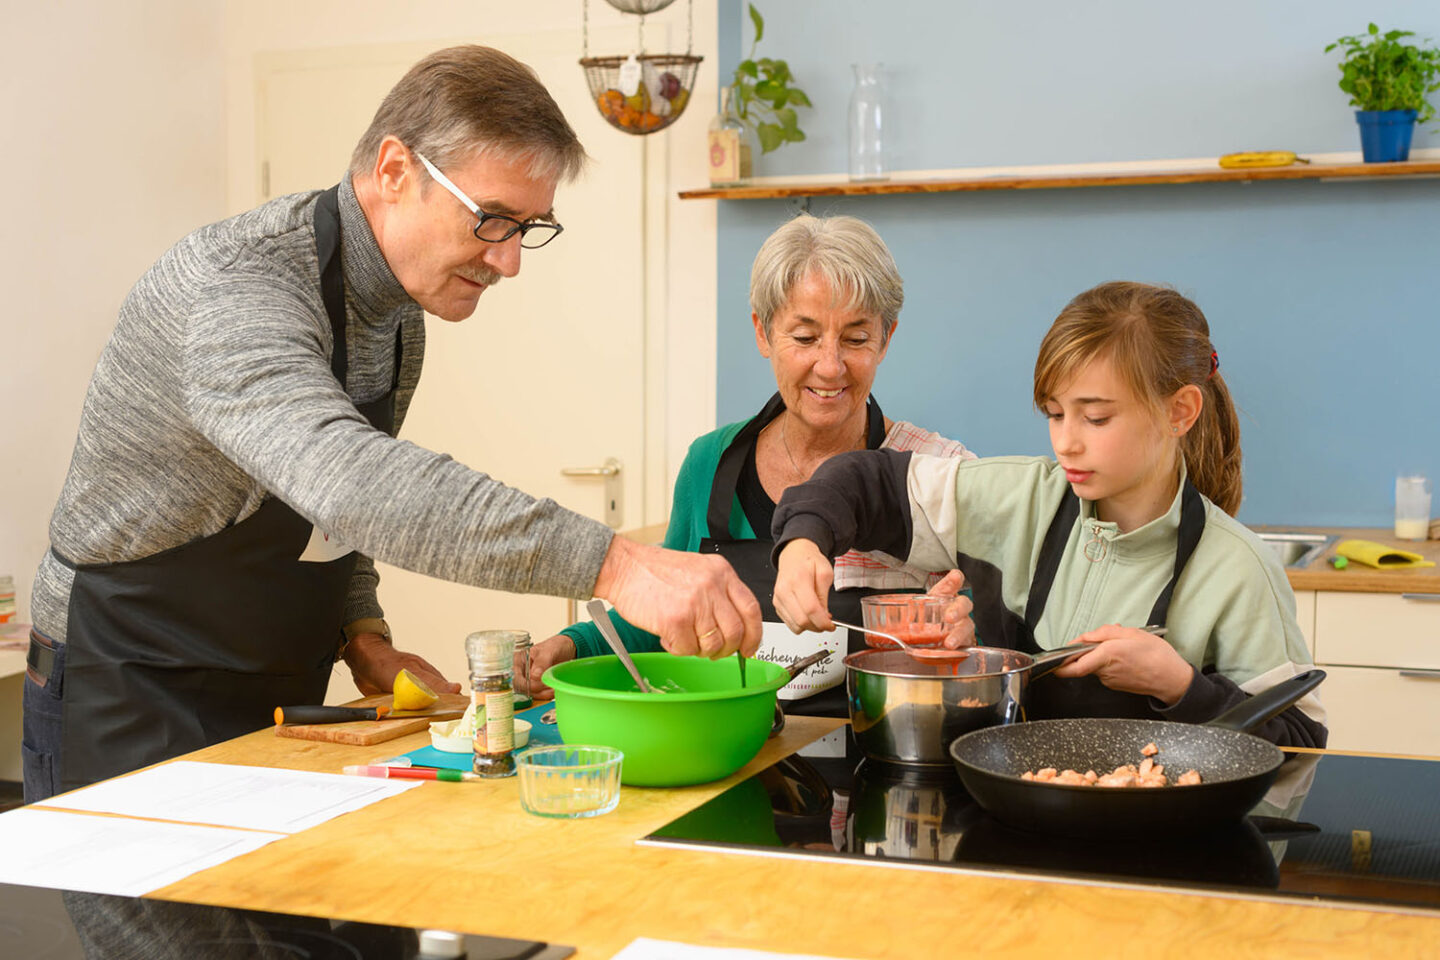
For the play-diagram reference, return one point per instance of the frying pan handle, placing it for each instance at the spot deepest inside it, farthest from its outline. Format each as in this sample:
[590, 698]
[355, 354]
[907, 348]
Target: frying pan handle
[795, 669]
[1255, 710]
[800, 666]
[1045, 662]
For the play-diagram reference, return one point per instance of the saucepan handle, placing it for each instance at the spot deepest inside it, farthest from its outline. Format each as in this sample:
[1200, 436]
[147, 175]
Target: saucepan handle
[1045, 662]
[1268, 703]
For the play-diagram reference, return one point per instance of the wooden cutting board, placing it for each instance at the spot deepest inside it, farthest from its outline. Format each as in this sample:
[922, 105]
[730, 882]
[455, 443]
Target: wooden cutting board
[363, 733]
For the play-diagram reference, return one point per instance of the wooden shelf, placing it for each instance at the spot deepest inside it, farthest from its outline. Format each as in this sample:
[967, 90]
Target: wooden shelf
[1047, 178]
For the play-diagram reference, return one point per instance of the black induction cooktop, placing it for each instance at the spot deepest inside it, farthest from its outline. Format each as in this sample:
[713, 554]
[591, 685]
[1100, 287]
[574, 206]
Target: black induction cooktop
[1334, 828]
[38, 923]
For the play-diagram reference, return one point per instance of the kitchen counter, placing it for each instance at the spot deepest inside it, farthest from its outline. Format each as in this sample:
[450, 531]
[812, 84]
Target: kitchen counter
[466, 857]
[1357, 578]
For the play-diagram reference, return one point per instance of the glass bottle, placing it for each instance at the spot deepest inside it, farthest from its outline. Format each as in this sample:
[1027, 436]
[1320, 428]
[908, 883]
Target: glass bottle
[731, 144]
[523, 699]
[867, 129]
[492, 664]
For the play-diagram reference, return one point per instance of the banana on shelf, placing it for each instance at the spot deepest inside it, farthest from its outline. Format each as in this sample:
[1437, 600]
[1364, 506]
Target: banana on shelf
[1260, 158]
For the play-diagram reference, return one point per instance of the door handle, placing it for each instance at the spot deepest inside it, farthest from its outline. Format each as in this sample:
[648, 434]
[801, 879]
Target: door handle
[613, 474]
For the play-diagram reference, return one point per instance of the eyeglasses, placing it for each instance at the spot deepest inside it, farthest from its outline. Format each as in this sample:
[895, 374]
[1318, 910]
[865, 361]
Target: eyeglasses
[495, 227]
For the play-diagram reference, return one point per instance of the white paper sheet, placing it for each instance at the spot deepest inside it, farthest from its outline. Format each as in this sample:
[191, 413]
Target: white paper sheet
[76, 851]
[643, 948]
[256, 798]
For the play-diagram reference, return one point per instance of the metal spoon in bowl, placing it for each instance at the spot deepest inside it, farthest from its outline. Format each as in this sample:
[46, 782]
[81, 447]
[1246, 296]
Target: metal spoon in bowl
[607, 630]
[919, 653]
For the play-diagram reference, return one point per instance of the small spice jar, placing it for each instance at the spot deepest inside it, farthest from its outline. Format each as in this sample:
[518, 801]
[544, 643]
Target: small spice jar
[492, 664]
[524, 700]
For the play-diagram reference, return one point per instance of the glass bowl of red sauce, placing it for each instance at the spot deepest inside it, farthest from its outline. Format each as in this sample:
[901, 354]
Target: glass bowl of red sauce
[916, 618]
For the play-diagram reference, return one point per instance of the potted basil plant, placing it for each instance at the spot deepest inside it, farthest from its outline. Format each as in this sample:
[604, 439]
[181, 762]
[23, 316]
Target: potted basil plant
[1390, 81]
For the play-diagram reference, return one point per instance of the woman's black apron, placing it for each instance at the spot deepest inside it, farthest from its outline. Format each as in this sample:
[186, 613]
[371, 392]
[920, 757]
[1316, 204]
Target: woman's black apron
[1052, 697]
[200, 643]
[751, 558]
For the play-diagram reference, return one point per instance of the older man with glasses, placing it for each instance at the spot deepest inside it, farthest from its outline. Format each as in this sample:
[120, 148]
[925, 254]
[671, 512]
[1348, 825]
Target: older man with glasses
[237, 468]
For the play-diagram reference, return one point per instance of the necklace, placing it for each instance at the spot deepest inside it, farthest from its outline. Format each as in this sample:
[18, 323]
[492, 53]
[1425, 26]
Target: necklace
[785, 442]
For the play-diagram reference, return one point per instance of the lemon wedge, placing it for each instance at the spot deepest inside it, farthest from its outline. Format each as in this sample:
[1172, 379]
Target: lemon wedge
[411, 693]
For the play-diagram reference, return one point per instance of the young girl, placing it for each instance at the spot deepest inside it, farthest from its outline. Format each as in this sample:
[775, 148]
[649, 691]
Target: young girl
[1131, 525]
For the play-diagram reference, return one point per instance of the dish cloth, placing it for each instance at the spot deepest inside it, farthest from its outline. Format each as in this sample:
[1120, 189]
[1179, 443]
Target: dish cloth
[1379, 556]
[540, 734]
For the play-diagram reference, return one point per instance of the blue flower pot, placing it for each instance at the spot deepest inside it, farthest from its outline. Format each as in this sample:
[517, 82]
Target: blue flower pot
[1385, 134]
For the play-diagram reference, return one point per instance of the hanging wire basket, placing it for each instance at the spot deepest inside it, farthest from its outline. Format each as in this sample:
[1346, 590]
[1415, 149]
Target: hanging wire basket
[663, 93]
[639, 6]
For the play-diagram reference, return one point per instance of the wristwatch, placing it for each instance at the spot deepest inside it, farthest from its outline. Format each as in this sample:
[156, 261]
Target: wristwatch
[354, 628]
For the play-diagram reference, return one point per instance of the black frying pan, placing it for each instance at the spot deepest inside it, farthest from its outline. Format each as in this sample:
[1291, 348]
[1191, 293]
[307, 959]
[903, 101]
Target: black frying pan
[1236, 768]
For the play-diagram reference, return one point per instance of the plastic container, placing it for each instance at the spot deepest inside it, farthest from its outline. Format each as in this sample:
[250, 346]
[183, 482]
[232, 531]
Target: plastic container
[445, 735]
[569, 782]
[1385, 134]
[706, 727]
[916, 618]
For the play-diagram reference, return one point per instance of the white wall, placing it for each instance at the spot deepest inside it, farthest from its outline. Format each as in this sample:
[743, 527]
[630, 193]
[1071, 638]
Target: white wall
[681, 234]
[115, 122]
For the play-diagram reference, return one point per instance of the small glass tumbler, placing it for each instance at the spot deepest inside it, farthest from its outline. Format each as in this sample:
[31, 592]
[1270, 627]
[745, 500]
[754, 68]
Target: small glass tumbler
[1412, 506]
[569, 781]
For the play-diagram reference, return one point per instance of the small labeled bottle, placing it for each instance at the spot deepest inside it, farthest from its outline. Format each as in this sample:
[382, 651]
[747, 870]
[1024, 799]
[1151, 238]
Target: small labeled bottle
[7, 599]
[731, 145]
[492, 665]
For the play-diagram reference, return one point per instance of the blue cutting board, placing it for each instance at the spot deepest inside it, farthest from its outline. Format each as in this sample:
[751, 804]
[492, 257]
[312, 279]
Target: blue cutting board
[540, 733]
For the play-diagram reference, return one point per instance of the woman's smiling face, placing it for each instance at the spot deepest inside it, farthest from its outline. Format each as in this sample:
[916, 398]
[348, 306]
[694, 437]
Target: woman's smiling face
[824, 355]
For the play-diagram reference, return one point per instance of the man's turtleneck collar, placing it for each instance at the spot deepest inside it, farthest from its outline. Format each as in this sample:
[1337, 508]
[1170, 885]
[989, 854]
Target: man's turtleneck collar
[369, 282]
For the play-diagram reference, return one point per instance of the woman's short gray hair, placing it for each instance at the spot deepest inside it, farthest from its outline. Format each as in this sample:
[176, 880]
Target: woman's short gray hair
[463, 102]
[845, 252]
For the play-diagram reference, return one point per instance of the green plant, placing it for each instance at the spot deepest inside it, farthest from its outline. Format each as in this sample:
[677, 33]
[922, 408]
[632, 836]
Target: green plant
[1381, 73]
[764, 99]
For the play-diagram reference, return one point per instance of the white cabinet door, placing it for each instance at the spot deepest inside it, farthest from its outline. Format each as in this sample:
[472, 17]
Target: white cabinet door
[549, 373]
[1378, 710]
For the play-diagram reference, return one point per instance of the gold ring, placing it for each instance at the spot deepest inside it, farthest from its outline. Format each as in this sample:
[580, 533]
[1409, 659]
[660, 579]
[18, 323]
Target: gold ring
[707, 633]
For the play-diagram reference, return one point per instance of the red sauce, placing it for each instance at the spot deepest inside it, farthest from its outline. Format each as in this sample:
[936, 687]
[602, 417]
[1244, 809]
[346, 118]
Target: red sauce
[914, 634]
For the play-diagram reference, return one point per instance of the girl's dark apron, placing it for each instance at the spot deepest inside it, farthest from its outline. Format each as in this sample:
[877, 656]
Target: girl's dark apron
[201, 642]
[751, 558]
[1056, 697]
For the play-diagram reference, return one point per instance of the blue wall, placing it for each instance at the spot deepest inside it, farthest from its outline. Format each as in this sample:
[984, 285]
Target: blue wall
[1321, 296]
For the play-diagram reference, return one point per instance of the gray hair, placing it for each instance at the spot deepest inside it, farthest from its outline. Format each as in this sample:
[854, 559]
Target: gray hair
[845, 252]
[464, 102]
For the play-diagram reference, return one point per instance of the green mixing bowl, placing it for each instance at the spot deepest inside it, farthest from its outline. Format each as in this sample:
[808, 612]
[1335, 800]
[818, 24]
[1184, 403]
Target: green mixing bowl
[707, 732]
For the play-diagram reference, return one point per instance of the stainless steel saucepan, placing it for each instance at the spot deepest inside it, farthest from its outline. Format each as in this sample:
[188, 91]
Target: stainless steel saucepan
[905, 710]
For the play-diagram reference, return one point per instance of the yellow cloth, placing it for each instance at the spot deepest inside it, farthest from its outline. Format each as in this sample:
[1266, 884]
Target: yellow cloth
[1379, 556]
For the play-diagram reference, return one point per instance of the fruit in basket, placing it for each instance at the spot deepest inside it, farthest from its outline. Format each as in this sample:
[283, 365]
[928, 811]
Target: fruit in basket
[669, 85]
[649, 122]
[611, 102]
[639, 101]
[677, 102]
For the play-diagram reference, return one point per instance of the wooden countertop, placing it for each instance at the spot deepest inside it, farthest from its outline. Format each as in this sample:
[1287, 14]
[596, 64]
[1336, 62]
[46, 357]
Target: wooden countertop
[1357, 578]
[464, 856]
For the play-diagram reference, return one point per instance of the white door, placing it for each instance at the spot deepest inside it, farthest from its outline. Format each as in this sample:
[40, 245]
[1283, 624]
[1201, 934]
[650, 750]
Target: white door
[547, 374]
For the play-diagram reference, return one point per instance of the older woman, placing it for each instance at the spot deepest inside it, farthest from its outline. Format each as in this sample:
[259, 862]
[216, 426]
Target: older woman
[825, 298]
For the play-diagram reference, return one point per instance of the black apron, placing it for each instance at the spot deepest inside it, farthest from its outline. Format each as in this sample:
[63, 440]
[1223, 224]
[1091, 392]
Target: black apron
[1052, 697]
[200, 643]
[751, 558]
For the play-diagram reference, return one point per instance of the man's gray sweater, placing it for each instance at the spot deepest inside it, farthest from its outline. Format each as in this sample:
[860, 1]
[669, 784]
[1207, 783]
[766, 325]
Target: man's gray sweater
[215, 392]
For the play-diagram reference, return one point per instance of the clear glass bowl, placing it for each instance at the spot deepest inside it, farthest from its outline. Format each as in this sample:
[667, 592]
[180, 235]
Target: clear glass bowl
[569, 781]
[916, 618]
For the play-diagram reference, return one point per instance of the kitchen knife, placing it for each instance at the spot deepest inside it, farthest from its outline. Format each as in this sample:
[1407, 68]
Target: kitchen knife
[319, 714]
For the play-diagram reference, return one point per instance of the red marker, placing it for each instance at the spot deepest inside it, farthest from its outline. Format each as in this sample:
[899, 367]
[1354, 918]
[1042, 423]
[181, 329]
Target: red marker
[411, 773]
